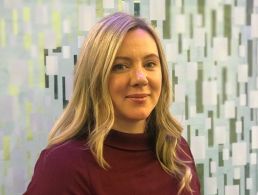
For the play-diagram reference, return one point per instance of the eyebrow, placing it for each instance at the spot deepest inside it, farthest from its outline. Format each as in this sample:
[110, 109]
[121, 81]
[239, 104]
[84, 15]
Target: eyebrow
[145, 57]
[152, 56]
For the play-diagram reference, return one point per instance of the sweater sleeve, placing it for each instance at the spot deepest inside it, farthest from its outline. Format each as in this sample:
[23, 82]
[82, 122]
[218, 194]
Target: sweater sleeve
[185, 154]
[56, 174]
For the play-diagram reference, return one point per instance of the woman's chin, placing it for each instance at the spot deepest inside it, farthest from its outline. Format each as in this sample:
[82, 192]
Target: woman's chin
[138, 117]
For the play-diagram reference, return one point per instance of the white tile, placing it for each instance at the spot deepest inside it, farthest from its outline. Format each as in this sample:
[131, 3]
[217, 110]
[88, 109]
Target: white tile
[239, 153]
[220, 49]
[220, 135]
[198, 20]
[239, 15]
[186, 43]
[253, 159]
[68, 87]
[171, 52]
[80, 41]
[157, 10]
[254, 137]
[249, 183]
[192, 110]
[66, 26]
[42, 14]
[213, 167]
[235, 32]
[66, 52]
[242, 99]
[179, 93]
[225, 154]
[229, 109]
[230, 87]
[242, 51]
[254, 26]
[253, 98]
[232, 190]
[108, 4]
[179, 72]
[236, 173]
[178, 3]
[211, 185]
[208, 123]
[198, 147]
[209, 93]
[192, 71]
[220, 15]
[50, 40]
[242, 73]
[86, 17]
[180, 23]
[125, 7]
[51, 65]
[199, 37]
[213, 4]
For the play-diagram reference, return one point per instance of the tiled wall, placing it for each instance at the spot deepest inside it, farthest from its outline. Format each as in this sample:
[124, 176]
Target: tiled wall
[212, 50]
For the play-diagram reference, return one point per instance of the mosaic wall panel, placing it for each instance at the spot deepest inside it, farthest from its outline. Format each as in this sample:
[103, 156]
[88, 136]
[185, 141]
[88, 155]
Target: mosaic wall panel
[212, 50]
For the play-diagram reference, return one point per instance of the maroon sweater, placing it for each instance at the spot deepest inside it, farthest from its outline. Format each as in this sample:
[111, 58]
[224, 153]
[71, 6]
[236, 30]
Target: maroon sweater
[70, 169]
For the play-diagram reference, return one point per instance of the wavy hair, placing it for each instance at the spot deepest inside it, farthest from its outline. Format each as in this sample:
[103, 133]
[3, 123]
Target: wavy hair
[90, 108]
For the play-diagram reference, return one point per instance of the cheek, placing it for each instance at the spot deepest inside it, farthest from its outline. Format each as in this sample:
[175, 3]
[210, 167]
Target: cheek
[157, 83]
[115, 87]
[111, 88]
[159, 88]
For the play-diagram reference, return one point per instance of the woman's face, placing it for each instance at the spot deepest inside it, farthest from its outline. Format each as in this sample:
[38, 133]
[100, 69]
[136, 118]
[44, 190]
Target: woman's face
[135, 81]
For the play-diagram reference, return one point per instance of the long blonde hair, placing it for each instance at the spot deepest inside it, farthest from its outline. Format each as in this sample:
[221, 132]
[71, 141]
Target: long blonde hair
[90, 107]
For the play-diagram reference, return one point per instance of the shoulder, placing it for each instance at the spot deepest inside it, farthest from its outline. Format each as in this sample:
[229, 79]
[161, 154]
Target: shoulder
[63, 157]
[68, 150]
[185, 154]
[183, 149]
[61, 168]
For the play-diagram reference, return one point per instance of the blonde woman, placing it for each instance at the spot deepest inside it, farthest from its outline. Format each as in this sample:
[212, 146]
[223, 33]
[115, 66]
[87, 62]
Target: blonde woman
[116, 135]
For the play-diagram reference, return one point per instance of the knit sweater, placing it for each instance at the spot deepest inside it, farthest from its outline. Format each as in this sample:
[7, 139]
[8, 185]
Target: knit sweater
[71, 169]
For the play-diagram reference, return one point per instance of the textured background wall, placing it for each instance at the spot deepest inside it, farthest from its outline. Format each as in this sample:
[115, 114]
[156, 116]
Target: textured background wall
[212, 50]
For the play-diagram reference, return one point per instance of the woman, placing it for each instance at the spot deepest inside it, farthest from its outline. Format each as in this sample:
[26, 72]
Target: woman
[116, 135]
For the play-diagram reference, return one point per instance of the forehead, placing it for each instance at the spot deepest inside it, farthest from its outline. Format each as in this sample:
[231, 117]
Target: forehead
[139, 32]
[138, 40]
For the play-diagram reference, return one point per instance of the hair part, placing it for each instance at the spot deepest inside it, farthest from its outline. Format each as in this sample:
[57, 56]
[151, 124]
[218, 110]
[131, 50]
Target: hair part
[90, 108]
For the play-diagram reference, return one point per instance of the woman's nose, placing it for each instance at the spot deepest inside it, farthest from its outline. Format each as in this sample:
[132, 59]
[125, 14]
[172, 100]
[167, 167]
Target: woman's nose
[139, 78]
[140, 75]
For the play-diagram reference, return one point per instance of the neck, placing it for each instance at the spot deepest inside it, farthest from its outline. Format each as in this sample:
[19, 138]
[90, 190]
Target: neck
[130, 126]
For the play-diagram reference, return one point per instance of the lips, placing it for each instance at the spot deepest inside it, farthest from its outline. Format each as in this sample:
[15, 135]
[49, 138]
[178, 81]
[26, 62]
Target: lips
[137, 98]
[142, 95]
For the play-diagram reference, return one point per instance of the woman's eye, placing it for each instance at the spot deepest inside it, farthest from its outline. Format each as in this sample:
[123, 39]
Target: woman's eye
[119, 67]
[150, 65]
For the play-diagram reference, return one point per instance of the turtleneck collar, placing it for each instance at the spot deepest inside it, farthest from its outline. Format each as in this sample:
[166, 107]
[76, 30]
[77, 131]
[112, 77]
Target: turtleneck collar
[128, 141]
